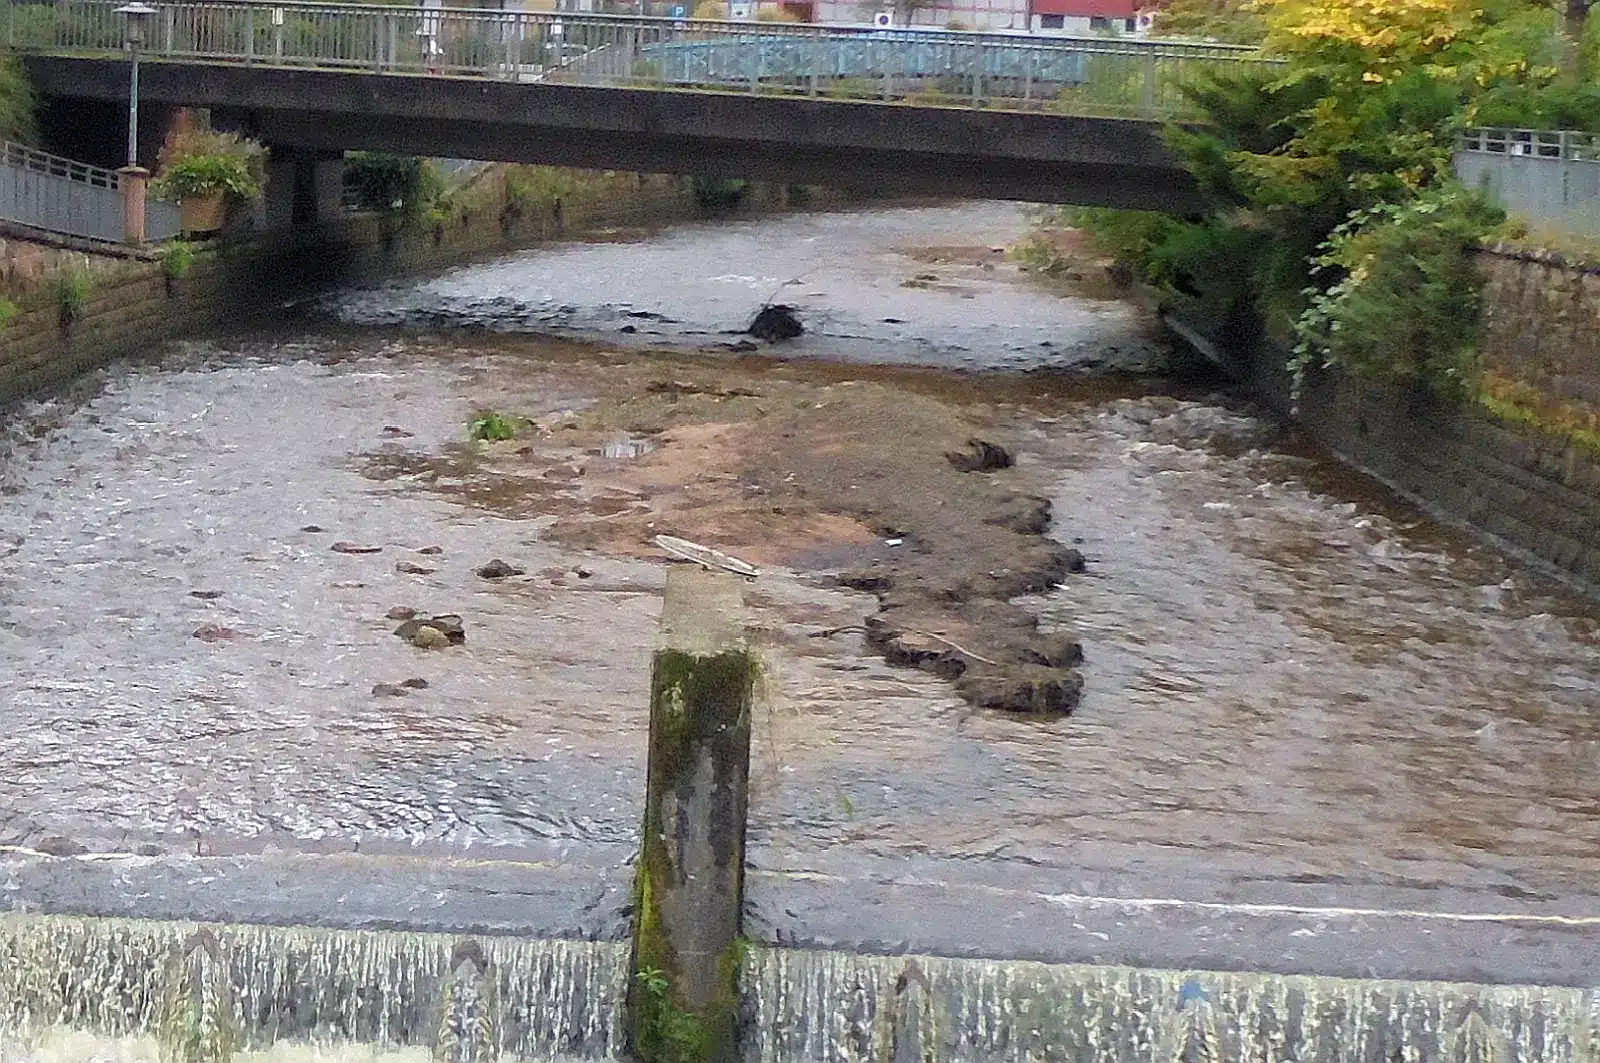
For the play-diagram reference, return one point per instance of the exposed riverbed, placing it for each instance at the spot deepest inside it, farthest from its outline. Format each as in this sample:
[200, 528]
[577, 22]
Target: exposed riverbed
[1293, 690]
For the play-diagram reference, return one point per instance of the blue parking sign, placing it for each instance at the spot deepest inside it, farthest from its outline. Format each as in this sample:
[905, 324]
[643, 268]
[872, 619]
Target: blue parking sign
[678, 11]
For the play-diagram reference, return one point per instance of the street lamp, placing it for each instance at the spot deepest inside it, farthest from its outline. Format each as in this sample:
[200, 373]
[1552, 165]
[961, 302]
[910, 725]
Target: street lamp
[137, 15]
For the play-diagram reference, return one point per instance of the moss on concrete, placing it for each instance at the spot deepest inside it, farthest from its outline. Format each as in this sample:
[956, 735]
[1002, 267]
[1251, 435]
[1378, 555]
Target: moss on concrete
[696, 702]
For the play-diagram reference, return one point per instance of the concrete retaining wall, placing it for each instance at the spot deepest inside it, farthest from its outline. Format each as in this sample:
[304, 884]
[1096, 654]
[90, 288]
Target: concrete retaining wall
[1514, 472]
[132, 308]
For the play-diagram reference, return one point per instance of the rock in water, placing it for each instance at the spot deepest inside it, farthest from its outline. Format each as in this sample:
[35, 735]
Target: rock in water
[498, 569]
[429, 638]
[434, 632]
[776, 323]
[1022, 688]
[981, 456]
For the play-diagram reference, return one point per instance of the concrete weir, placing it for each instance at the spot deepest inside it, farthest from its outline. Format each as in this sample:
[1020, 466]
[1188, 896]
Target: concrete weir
[76, 989]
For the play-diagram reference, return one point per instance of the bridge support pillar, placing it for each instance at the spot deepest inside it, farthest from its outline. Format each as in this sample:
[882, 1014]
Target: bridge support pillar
[304, 189]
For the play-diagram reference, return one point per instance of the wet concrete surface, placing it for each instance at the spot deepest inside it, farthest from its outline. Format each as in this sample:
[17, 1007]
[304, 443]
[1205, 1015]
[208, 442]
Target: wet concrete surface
[1297, 694]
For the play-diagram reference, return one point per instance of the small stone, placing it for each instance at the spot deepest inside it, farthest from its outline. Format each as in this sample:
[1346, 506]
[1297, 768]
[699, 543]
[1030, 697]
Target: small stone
[389, 690]
[313, 529]
[414, 683]
[215, 633]
[56, 845]
[206, 596]
[582, 573]
[401, 612]
[431, 550]
[394, 431]
[498, 569]
[344, 547]
[447, 627]
[429, 638]
[411, 568]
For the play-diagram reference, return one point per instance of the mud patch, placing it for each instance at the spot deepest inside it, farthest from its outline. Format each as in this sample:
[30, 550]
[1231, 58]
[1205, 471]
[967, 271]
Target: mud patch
[857, 482]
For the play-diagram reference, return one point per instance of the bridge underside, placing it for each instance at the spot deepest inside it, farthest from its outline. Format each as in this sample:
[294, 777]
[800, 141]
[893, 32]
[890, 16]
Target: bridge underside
[887, 147]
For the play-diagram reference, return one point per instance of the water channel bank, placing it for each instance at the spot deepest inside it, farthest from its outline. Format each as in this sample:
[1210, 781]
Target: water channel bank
[1521, 464]
[1317, 732]
[96, 308]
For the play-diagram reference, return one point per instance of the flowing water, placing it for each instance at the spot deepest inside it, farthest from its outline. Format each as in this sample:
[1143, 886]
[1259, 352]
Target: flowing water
[1298, 693]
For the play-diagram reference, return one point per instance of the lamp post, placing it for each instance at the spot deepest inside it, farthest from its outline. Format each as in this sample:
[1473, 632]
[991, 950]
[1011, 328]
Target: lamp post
[136, 14]
[134, 178]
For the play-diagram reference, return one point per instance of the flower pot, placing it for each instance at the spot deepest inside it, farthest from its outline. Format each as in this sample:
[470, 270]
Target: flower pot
[204, 214]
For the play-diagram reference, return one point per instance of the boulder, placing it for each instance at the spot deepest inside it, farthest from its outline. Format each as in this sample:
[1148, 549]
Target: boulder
[1022, 688]
[775, 323]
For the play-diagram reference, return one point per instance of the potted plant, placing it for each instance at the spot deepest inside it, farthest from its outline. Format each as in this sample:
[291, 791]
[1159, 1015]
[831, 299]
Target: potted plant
[205, 172]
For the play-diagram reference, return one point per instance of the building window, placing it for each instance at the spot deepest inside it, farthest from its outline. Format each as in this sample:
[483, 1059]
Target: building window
[1052, 22]
[1131, 25]
[1099, 22]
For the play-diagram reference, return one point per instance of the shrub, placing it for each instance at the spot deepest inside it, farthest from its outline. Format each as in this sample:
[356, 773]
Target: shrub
[16, 102]
[393, 184]
[1406, 294]
[711, 9]
[775, 13]
[73, 287]
[530, 188]
[204, 163]
[489, 426]
[177, 258]
[719, 193]
[8, 312]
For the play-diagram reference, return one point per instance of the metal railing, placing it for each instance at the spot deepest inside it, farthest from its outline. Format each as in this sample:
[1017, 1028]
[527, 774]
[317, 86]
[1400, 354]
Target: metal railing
[1109, 76]
[59, 195]
[1535, 143]
[1551, 178]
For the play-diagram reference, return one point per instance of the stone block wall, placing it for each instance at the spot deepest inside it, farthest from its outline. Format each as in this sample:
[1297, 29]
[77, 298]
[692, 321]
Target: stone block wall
[1542, 324]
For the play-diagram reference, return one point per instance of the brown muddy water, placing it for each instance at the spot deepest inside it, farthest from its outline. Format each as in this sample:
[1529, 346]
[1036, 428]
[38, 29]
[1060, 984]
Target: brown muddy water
[1296, 690]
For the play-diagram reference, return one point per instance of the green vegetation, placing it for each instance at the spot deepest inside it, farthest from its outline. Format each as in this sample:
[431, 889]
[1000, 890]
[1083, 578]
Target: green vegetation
[399, 185]
[205, 163]
[1225, 21]
[719, 193]
[490, 426]
[1516, 403]
[73, 287]
[539, 188]
[16, 102]
[1336, 226]
[177, 258]
[8, 312]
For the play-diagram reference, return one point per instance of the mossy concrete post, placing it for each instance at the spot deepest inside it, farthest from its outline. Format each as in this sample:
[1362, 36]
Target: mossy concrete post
[683, 998]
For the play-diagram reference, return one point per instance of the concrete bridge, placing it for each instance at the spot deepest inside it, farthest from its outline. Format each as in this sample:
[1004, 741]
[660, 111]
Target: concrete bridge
[969, 114]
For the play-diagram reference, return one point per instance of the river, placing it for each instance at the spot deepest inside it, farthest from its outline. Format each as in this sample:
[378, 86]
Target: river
[1297, 690]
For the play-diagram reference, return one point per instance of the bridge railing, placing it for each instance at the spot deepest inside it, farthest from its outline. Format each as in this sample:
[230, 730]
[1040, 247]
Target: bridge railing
[1550, 177]
[58, 195]
[1099, 76]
